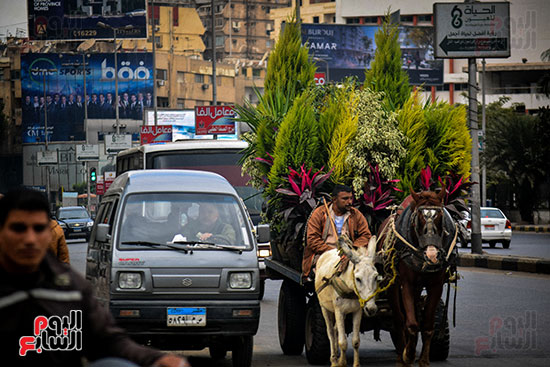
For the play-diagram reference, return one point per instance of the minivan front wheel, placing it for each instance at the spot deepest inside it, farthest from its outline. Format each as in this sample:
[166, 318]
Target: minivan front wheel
[242, 351]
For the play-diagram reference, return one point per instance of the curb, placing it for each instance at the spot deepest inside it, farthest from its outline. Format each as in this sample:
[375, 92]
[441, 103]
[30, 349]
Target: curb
[530, 228]
[511, 263]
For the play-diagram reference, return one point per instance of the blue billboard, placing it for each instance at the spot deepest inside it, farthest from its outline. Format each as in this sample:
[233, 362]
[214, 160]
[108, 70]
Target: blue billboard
[78, 19]
[347, 50]
[52, 90]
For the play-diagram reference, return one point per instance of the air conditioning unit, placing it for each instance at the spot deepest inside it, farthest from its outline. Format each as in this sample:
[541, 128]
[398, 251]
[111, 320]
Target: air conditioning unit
[205, 86]
[160, 83]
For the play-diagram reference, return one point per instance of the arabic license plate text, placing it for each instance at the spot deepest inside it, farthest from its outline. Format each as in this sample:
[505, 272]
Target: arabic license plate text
[490, 226]
[186, 316]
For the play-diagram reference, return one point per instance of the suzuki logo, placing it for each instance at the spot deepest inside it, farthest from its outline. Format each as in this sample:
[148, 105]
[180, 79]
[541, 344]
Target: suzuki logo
[186, 282]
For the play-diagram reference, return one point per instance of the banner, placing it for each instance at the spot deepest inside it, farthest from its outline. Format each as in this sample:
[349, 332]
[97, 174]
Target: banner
[78, 19]
[214, 120]
[61, 78]
[156, 134]
[349, 50]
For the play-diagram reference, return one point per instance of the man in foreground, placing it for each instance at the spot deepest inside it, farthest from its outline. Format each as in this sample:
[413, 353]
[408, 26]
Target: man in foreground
[48, 315]
[321, 236]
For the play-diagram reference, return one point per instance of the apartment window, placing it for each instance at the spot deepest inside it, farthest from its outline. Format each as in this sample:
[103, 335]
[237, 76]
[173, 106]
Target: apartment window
[425, 18]
[219, 81]
[219, 22]
[220, 41]
[162, 74]
[268, 43]
[371, 20]
[256, 72]
[163, 102]
[406, 19]
[181, 103]
[175, 16]
[199, 78]
[316, 20]
[1, 74]
[352, 20]
[234, 41]
[181, 77]
[219, 8]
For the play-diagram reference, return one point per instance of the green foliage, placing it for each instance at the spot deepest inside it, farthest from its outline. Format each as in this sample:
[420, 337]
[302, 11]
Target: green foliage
[80, 187]
[378, 141]
[386, 74]
[297, 142]
[437, 136]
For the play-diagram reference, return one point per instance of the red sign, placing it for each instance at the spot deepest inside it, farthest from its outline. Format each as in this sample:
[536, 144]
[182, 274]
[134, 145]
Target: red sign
[214, 120]
[156, 134]
[99, 186]
[320, 79]
[109, 178]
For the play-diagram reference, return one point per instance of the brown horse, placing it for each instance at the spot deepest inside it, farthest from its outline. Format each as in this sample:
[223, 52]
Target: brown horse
[422, 234]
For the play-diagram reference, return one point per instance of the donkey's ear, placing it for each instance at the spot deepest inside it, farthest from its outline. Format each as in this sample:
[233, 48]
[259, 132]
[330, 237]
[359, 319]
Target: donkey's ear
[415, 196]
[441, 195]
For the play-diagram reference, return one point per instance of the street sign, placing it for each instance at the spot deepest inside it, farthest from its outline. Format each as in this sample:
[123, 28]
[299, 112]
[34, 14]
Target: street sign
[87, 152]
[46, 158]
[466, 30]
[320, 79]
[115, 143]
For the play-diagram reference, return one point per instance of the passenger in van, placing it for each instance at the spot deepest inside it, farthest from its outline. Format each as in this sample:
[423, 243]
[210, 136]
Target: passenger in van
[39, 296]
[135, 227]
[209, 226]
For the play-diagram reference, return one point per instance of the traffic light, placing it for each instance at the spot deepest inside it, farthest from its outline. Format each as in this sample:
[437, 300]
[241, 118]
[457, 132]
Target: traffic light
[93, 176]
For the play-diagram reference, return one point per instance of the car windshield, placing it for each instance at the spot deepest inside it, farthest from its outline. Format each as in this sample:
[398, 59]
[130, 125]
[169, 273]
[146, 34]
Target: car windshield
[183, 219]
[491, 213]
[73, 214]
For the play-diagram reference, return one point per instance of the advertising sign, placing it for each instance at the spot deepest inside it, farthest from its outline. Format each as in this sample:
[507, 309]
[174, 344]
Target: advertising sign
[78, 19]
[464, 30]
[156, 134]
[109, 177]
[320, 78]
[100, 185]
[349, 50]
[214, 120]
[88, 152]
[61, 76]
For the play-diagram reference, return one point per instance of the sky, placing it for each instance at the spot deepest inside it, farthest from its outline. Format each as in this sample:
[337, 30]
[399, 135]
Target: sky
[13, 15]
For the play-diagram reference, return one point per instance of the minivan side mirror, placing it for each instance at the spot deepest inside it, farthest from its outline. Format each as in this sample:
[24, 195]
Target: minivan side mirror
[262, 233]
[102, 232]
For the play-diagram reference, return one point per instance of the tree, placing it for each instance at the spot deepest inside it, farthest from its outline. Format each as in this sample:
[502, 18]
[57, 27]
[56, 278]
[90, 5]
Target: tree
[386, 74]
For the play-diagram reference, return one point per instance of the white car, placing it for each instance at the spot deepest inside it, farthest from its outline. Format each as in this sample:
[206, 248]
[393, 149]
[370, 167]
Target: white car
[495, 227]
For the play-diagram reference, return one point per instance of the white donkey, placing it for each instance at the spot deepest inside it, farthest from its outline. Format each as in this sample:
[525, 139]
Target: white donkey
[341, 294]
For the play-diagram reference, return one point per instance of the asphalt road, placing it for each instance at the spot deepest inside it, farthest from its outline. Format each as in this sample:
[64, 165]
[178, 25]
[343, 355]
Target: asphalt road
[523, 244]
[502, 320]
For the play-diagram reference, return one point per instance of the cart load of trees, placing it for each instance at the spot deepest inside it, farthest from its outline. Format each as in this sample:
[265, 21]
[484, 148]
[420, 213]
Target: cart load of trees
[375, 137]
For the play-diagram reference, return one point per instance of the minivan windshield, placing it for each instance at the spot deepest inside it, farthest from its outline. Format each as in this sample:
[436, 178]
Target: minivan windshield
[165, 220]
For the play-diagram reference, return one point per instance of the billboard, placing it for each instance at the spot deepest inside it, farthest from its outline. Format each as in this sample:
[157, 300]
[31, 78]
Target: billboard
[156, 134]
[78, 19]
[214, 120]
[52, 88]
[348, 50]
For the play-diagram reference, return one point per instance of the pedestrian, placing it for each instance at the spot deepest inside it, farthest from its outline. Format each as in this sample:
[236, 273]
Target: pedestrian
[58, 245]
[320, 232]
[48, 315]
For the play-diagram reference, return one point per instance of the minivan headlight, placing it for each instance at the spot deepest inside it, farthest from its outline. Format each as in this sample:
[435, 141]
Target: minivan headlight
[240, 280]
[129, 280]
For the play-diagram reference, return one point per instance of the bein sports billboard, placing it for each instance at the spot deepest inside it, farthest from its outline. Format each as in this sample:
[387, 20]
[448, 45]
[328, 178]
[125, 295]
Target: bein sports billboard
[52, 88]
[348, 50]
[78, 19]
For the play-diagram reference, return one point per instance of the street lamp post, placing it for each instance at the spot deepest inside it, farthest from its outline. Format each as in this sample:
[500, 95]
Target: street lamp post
[115, 31]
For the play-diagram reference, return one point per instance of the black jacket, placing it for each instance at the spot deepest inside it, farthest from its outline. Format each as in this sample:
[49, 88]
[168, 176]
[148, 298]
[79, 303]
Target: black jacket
[54, 291]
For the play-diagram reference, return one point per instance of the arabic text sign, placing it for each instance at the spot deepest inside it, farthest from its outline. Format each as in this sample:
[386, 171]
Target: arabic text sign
[87, 152]
[214, 120]
[116, 143]
[75, 19]
[464, 30]
[156, 134]
[48, 157]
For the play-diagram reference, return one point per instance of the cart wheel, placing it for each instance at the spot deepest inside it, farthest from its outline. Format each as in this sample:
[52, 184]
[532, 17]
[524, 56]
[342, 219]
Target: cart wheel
[439, 347]
[242, 351]
[291, 316]
[317, 343]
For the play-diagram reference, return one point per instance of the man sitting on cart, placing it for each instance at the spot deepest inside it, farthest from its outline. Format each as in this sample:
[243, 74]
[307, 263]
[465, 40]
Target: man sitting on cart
[320, 233]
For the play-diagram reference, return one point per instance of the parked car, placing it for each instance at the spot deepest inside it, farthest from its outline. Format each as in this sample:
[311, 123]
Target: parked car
[75, 221]
[174, 257]
[495, 227]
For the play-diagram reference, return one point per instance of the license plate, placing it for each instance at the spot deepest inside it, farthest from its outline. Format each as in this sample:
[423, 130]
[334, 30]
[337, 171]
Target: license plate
[490, 226]
[77, 229]
[186, 316]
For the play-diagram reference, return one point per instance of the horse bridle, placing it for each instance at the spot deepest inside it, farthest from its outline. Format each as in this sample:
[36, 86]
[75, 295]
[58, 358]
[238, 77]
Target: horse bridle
[429, 235]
